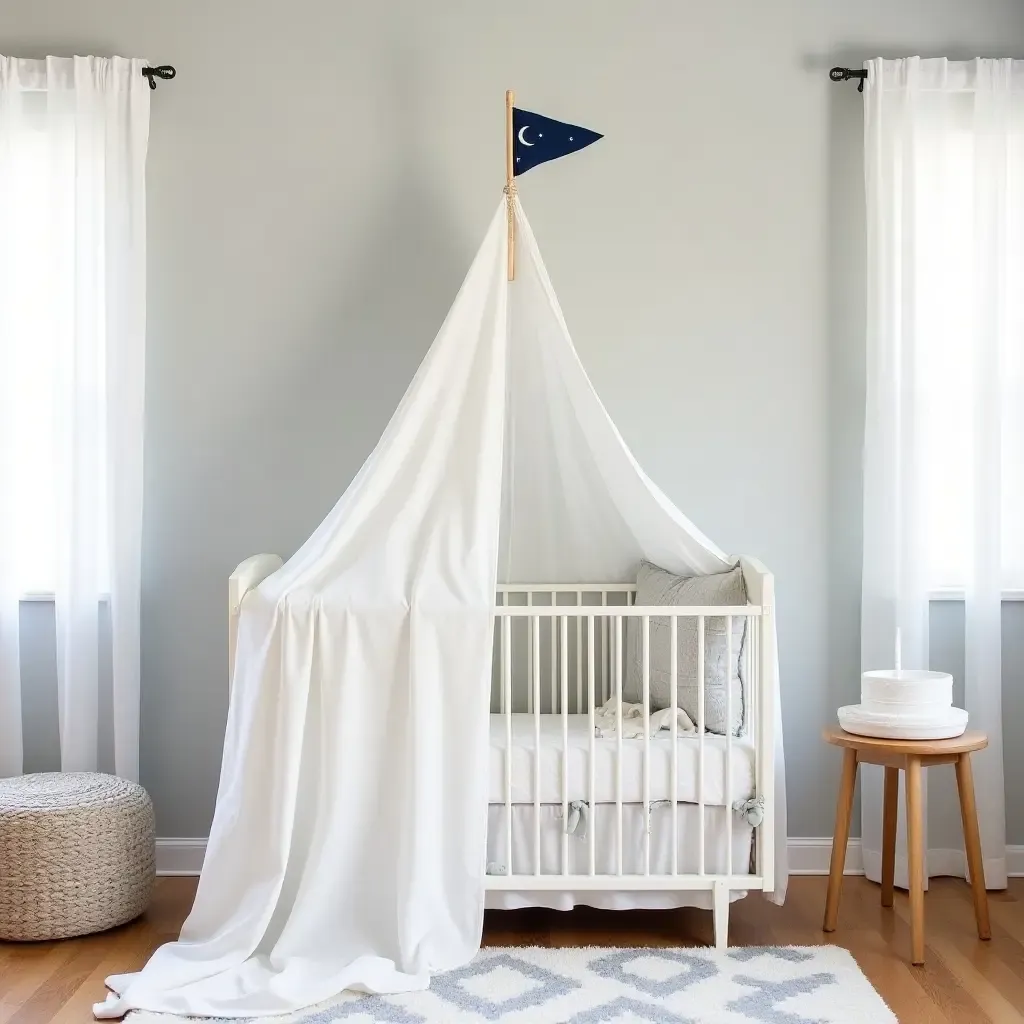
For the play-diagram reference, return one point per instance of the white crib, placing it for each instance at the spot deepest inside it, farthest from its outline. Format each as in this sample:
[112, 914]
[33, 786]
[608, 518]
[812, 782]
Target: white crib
[659, 812]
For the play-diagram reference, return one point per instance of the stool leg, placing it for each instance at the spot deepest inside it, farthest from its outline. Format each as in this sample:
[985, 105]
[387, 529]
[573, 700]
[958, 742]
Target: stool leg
[915, 850]
[844, 810]
[890, 808]
[972, 844]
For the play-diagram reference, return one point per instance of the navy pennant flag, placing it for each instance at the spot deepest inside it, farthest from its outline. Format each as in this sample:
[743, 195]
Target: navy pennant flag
[539, 139]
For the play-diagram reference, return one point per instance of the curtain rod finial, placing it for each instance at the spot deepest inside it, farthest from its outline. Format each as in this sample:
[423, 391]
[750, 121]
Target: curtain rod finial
[164, 72]
[845, 74]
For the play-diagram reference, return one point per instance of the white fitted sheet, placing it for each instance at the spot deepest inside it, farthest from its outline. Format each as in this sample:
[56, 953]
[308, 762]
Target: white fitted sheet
[605, 750]
[605, 825]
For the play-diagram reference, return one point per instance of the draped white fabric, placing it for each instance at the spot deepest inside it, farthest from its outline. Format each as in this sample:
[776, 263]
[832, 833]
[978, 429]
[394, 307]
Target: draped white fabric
[348, 843]
[944, 432]
[73, 139]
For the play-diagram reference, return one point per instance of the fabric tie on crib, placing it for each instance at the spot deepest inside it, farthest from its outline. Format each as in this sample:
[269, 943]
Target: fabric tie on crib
[576, 823]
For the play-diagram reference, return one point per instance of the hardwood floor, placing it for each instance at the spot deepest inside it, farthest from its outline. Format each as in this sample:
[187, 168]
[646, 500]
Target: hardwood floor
[963, 980]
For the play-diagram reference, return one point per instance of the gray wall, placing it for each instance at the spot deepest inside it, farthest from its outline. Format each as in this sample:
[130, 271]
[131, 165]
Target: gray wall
[320, 175]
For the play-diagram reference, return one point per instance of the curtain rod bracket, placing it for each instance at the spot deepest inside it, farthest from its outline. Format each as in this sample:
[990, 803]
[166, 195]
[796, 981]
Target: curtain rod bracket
[845, 74]
[164, 72]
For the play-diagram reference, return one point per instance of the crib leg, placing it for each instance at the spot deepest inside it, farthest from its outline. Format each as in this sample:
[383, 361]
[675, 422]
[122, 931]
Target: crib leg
[721, 904]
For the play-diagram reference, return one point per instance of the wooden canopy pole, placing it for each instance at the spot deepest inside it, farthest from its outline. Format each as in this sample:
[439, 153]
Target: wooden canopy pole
[510, 185]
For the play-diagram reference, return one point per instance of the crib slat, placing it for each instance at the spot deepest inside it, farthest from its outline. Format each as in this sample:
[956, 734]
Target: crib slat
[506, 680]
[605, 664]
[728, 744]
[592, 826]
[745, 679]
[554, 674]
[618, 738]
[564, 624]
[700, 741]
[501, 624]
[536, 744]
[673, 675]
[529, 657]
[646, 626]
[579, 655]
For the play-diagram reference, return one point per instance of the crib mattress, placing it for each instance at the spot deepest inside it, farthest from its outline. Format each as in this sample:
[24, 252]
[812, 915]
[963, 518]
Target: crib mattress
[524, 759]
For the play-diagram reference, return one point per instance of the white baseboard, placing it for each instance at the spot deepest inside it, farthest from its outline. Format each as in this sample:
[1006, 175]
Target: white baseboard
[179, 856]
[807, 856]
[810, 856]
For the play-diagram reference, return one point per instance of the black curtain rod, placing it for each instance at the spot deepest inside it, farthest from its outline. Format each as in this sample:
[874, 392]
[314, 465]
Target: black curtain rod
[845, 74]
[164, 72]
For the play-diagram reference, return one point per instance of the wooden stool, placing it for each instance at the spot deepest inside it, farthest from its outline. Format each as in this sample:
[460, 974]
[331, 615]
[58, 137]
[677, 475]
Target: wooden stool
[912, 756]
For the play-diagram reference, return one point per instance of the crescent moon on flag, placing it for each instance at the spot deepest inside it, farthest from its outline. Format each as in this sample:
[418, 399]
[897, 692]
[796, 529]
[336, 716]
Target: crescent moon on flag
[523, 140]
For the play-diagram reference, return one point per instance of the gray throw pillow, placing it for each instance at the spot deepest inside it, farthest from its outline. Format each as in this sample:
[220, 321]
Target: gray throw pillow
[657, 587]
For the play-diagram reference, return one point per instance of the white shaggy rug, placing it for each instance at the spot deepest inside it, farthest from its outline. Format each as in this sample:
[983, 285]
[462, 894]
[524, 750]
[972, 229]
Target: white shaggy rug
[779, 985]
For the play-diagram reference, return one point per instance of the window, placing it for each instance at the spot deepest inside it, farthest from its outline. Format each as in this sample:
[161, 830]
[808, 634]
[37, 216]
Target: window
[53, 426]
[73, 140]
[953, 303]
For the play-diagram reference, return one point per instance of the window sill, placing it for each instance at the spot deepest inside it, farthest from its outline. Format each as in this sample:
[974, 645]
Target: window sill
[44, 597]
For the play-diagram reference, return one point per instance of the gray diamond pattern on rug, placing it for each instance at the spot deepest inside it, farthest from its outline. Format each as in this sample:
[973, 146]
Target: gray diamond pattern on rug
[374, 1008]
[613, 967]
[451, 986]
[535, 985]
[793, 954]
[618, 1008]
[761, 1005]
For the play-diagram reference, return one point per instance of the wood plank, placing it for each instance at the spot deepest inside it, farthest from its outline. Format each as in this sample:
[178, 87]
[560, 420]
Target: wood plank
[992, 973]
[944, 991]
[951, 980]
[55, 991]
[1008, 917]
[22, 975]
[897, 983]
[124, 954]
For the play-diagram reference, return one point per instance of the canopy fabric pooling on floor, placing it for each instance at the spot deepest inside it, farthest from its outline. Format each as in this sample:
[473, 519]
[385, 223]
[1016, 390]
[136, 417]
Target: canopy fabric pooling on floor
[348, 844]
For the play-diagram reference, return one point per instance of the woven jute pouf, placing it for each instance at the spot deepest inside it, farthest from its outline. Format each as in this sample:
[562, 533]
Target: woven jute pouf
[77, 854]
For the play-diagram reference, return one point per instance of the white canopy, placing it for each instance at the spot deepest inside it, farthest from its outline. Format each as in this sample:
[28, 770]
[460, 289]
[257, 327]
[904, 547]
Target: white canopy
[347, 847]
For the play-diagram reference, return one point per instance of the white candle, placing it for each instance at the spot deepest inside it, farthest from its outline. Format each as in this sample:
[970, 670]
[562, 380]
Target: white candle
[898, 645]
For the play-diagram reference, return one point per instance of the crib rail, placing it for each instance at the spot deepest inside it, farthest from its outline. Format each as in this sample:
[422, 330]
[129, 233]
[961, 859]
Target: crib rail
[562, 651]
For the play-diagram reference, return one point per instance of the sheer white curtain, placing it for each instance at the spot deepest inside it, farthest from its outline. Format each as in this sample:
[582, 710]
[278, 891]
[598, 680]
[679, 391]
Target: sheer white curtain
[73, 139]
[944, 431]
